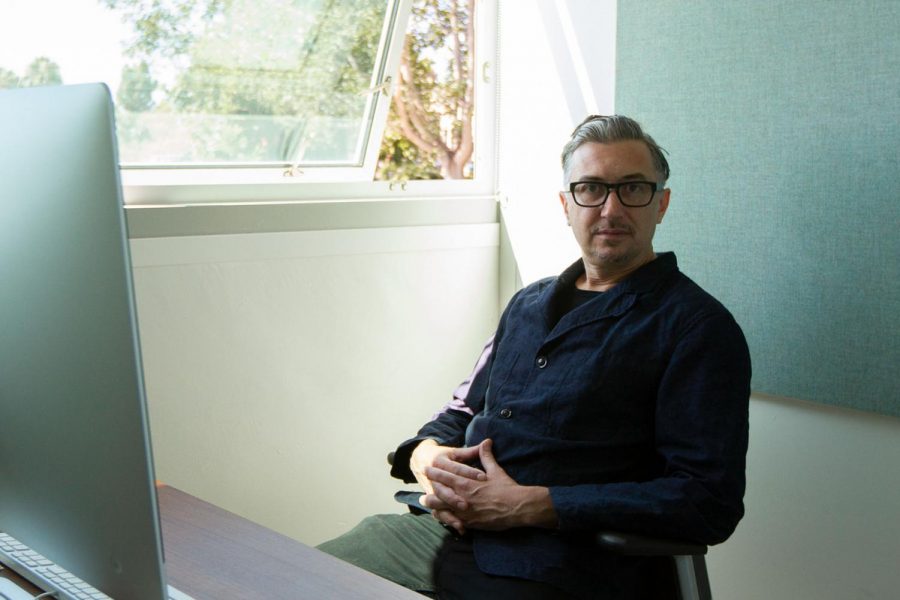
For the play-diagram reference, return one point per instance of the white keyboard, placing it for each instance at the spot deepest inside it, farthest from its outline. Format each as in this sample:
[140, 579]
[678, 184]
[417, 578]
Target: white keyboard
[49, 576]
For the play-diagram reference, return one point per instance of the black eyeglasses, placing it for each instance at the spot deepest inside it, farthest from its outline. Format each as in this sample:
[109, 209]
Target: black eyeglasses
[629, 193]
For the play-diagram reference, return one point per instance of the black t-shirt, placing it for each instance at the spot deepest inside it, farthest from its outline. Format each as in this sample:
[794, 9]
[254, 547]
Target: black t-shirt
[571, 299]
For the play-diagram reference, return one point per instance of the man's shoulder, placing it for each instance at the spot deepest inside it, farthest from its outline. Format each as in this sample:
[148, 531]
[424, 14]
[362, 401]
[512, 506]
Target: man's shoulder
[688, 302]
[533, 289]
[685, 290]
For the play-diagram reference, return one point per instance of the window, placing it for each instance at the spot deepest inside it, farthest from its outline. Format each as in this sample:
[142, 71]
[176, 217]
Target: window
[213, 92]
[229, 84]
[251, 83]
[430, 131]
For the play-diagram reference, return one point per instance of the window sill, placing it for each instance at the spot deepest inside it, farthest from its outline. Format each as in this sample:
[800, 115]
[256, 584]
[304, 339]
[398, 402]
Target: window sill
[408, 210]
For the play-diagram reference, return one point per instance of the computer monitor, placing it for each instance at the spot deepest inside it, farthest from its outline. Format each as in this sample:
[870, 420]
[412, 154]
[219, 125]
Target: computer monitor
[76, 476]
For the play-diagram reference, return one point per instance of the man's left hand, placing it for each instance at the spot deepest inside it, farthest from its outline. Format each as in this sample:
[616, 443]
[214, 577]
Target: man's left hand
[495, 502]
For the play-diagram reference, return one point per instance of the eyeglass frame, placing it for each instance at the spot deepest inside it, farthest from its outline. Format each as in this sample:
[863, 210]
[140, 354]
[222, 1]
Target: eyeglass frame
[657, 187]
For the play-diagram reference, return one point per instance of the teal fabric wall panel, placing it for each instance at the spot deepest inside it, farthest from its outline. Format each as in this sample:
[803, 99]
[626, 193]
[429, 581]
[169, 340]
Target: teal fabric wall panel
[782, 121]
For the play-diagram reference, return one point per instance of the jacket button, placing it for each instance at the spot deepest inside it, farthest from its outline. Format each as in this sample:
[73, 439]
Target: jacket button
[541, 362]
[505, 413]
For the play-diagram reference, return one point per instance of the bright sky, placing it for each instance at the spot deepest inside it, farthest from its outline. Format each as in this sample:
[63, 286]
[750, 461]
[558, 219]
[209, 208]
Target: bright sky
[81, 36]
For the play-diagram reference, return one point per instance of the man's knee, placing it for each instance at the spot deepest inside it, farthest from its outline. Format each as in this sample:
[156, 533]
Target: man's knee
[366, 537]
[397, 547]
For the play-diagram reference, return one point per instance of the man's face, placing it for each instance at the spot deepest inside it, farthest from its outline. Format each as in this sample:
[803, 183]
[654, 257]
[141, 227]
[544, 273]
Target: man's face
[614, 238]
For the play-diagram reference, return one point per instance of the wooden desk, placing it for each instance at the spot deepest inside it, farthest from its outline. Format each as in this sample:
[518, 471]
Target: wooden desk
[213, 554]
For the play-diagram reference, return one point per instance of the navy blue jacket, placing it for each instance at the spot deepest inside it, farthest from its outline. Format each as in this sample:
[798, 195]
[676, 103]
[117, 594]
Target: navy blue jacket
[632, 408]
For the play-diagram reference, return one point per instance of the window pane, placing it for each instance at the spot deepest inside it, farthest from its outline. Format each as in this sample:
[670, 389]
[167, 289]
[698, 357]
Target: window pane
[212, 82]
[429, 132]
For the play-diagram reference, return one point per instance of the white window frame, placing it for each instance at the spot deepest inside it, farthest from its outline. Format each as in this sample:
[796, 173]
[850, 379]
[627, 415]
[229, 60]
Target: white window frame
[209, 187]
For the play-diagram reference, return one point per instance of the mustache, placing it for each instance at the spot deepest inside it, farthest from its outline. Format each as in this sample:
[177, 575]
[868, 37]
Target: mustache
[614, 225]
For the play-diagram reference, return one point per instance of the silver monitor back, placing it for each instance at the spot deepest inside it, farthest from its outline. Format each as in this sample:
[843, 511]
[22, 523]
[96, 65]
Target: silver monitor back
[76, 476]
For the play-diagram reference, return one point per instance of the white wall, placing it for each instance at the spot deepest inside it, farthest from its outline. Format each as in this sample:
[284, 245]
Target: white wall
[282, 367]
[534, 122]
[823, 507]
[557, 61]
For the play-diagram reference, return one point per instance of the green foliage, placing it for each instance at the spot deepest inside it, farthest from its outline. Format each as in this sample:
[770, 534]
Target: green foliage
[8, 79]
[166, 29]
[136, 89]
[401, 160]
[434, 101]
[41, 71]
[261, 76]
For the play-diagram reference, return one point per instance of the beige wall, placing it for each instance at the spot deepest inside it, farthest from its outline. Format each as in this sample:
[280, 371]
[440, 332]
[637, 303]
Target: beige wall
[822, 522]
[282, 367]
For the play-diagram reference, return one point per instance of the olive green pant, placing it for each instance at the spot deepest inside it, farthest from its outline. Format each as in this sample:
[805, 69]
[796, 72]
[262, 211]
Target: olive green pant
[401, 548]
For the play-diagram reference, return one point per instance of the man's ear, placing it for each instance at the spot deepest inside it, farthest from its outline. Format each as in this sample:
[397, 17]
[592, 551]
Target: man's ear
[663, 205]
[565, 205]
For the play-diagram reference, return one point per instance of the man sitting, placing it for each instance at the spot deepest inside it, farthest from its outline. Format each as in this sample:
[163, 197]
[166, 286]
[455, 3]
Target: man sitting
[614, 396]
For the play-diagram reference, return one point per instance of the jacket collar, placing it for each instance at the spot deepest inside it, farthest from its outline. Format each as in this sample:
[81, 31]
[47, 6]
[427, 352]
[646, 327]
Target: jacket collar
[616, 300]
[645, 279]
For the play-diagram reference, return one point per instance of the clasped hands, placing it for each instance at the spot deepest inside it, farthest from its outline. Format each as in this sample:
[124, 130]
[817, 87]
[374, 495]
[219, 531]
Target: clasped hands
[465, 497]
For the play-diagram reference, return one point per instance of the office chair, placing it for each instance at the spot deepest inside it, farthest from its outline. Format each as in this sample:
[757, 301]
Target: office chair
[689, 559]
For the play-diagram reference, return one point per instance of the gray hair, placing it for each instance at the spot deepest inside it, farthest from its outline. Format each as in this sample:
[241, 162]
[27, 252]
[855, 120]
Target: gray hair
[614, 128]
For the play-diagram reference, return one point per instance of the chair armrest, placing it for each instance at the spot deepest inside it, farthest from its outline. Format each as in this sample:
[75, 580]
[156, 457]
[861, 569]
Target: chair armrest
[632, 544]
